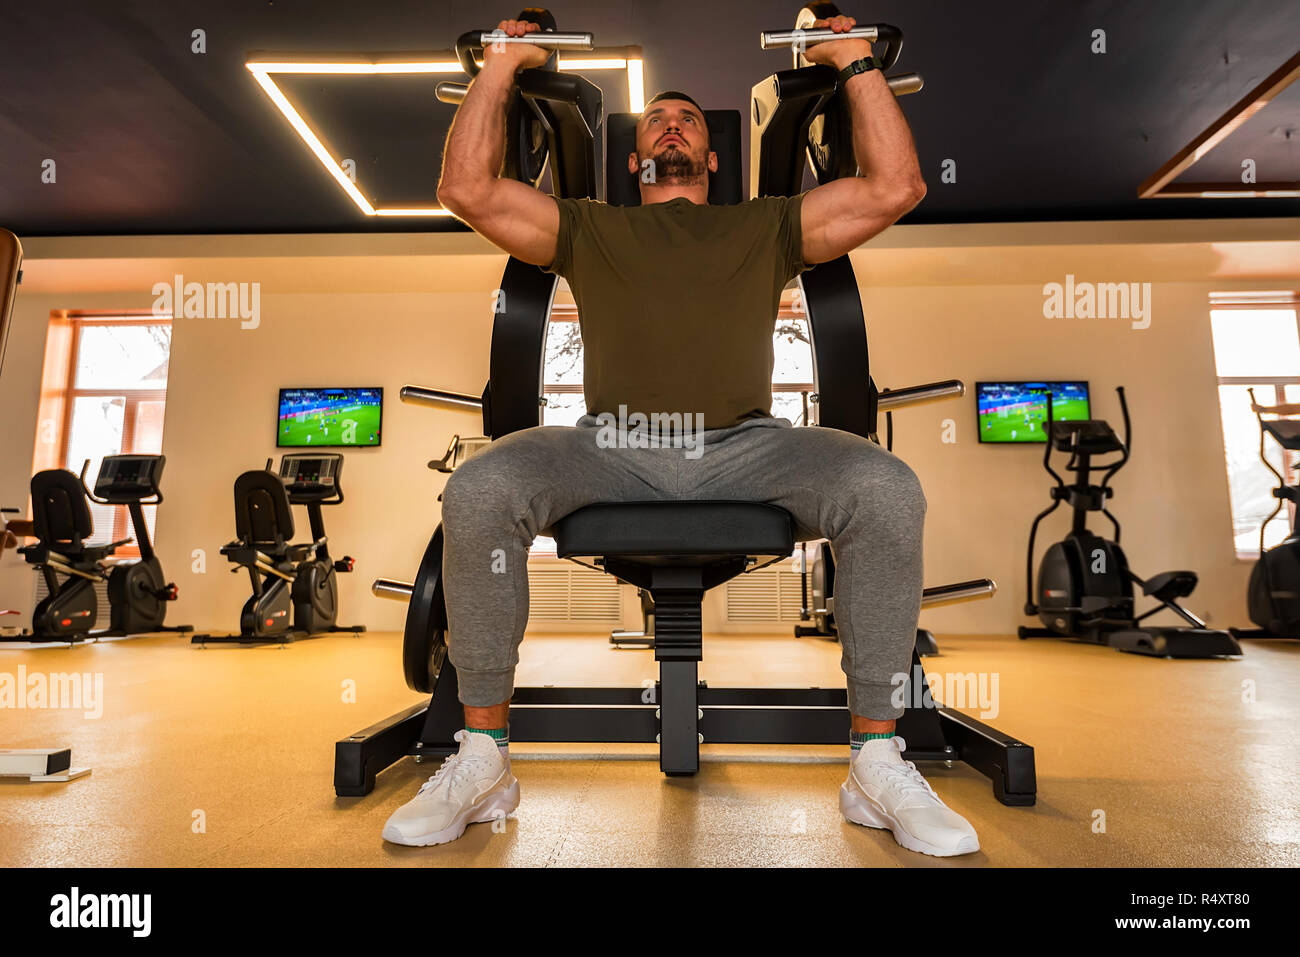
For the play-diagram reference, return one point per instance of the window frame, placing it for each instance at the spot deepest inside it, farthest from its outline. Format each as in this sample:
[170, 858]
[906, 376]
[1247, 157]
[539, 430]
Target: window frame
[67, 392]
[568, 312]
[1249, 302]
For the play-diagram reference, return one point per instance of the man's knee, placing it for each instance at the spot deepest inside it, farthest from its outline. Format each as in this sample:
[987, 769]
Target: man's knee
[485, 485]
[903, 487]
[500, 483]
[885, 489]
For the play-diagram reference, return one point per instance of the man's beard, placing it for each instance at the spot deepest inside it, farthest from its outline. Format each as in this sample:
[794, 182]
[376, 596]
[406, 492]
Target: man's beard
[675, 167]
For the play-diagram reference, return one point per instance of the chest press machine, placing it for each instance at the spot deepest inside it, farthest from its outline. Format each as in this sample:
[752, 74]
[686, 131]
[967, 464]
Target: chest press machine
[674, 550]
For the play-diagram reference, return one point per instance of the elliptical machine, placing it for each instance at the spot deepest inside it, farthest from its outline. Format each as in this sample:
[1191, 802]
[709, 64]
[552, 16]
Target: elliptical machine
[1273, 595]
[1085, 586]
[295, 588]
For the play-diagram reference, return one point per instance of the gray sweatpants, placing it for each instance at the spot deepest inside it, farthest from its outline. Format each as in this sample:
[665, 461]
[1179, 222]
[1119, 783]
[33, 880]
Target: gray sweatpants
[837, 485]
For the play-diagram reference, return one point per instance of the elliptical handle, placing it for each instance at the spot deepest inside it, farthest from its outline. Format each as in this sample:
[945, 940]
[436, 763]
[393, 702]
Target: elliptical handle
[1259, 417]
[1047, 450]
[1263, 457]
[1128, 424]
[1128, 435]
[1031, 607]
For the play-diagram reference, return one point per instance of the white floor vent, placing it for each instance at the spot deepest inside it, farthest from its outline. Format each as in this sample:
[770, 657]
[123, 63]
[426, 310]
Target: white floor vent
[577, 594]
[770, 594]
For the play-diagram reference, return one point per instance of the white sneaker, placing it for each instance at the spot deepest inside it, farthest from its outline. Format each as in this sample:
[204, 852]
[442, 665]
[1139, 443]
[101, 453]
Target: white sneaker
[472, 787]
[885, 791]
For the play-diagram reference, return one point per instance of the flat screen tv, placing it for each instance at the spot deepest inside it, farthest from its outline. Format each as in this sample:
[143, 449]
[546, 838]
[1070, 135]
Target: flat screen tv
[329, 418]
[1016, 412]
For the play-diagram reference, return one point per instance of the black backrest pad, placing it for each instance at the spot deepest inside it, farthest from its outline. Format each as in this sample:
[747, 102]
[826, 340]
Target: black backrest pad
[623, 188]
[262, 512]
[59, 510]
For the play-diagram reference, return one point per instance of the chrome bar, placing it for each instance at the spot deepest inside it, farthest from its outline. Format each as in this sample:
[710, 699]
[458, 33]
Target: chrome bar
[388, 588]
[917, 394]
[62, 567]
[543, 38]
[777, 39]
[901, 85]
[439, 397]
[449, 91]
[270, 569]
[960, 591]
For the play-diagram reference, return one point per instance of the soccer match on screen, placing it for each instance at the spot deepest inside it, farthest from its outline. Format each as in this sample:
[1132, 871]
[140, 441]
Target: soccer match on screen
[329, 417]
[1017, 411]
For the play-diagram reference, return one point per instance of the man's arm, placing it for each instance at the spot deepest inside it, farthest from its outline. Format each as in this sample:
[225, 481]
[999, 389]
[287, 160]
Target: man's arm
[520, 219]
[844, 214]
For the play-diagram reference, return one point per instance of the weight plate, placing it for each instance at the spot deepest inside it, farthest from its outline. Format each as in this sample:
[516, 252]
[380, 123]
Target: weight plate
[424, 643]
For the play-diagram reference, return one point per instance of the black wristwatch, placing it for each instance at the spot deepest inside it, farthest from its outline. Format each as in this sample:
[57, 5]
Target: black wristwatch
[865, 65]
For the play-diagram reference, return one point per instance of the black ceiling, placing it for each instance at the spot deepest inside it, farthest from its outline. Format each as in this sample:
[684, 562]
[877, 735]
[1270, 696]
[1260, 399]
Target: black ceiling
[151, 138]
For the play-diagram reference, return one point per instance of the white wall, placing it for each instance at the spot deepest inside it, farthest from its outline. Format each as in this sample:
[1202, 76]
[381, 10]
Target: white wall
[941, 302]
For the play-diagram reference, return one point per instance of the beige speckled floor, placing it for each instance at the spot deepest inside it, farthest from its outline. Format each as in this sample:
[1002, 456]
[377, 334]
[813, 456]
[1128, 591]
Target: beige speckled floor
[1186, 771]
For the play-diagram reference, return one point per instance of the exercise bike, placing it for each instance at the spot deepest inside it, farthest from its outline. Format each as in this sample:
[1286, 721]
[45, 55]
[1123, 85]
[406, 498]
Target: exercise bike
[295, 587]
[1273, 595]
[137, 591]
[1085, 586]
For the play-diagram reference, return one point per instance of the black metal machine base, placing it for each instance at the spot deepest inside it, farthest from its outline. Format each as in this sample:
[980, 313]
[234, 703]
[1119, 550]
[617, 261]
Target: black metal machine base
[164, 629]
[925, 643]
[30, 636]
[1154, 642]
[1253, 634]
[1176, 642]
[680, 712]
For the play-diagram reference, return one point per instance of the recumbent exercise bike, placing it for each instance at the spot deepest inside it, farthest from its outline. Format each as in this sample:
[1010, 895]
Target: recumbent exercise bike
[138, 592]
[295, 587]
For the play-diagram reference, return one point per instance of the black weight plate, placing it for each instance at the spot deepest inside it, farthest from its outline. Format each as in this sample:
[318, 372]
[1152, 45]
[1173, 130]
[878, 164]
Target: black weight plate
[424, 643]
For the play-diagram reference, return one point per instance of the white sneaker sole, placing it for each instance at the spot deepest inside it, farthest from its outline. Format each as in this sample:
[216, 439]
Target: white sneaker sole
[858, 808]
[496, 805]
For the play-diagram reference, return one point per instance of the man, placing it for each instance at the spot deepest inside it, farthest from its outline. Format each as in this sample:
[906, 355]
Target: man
[697, 287]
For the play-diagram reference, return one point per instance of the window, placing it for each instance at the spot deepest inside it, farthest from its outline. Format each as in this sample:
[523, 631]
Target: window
[792, 372]
[104, 392]
[1256, 346]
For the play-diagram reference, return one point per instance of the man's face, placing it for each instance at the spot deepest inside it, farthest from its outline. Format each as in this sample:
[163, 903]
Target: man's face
[673, 136]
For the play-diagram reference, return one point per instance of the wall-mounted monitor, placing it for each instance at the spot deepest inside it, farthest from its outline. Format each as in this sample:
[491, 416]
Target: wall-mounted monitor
[1016, 412]
[329, 418]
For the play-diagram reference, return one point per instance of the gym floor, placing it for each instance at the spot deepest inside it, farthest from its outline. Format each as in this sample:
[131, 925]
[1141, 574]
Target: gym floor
[223, 757]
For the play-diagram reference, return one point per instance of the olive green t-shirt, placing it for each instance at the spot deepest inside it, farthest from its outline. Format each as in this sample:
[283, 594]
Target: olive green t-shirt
[677, 302]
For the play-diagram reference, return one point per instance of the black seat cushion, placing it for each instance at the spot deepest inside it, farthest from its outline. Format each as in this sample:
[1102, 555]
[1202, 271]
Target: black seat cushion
[262, 513]
[706, 529]
[59, 509]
